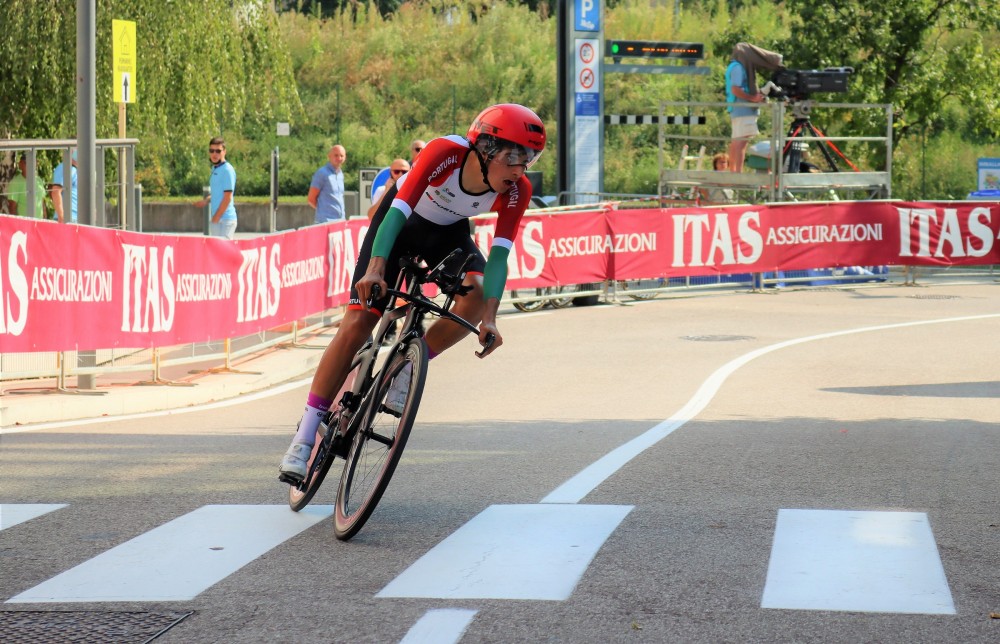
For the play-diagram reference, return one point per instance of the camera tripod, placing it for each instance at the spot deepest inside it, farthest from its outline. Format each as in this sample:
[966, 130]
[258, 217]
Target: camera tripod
[802, 126]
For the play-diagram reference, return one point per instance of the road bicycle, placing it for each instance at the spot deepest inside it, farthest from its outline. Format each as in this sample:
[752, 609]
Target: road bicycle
[370, 424]
[546, 294]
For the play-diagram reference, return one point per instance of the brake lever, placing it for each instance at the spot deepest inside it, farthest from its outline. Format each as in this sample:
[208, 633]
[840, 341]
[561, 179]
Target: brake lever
[490, 339]
[376, 291]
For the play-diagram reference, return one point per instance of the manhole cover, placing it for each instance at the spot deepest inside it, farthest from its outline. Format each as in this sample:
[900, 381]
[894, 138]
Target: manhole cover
[717, 338]
[934, 297]
[85, 627]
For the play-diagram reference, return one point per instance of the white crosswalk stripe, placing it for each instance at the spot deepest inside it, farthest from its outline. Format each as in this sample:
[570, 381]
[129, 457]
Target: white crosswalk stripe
[512, 552]
[12, 514]
[179, 559]
[879, 562]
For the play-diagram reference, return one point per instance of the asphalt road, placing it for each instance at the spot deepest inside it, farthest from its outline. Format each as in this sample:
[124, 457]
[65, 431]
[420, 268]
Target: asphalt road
[733, 416]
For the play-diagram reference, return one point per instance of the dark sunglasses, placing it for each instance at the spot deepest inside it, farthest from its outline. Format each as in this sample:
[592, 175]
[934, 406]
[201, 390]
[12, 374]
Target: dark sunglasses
[398, 172]
[417, 149]
[215, 150]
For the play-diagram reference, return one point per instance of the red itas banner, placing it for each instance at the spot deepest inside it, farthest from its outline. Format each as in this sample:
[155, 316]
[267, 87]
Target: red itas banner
[68, 287]
[583, 247]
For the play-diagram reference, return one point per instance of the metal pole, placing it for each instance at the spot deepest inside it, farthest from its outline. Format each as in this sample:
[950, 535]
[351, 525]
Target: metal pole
[86, 109]
[206, 193]
[136, 205]
[30, 179]
[273, 214]
[132, 215]
[86, 137]
[123, 186]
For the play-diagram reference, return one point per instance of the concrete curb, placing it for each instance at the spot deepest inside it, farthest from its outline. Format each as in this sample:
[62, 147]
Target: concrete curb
[24, 404]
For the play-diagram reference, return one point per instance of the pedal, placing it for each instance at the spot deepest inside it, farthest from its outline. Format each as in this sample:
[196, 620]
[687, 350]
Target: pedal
[289, 478]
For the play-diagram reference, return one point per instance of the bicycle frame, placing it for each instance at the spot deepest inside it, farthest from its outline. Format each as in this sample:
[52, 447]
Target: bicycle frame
[415, 308]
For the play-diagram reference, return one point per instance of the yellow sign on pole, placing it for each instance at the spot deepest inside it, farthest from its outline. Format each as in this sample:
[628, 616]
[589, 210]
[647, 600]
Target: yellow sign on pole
[124, 60]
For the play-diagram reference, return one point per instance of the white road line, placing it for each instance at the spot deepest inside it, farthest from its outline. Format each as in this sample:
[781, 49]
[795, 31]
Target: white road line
[440, 626]
[849, 560]
[512, 552]
[583, 483]
[180, 559]
[13, 513]
[238, 400]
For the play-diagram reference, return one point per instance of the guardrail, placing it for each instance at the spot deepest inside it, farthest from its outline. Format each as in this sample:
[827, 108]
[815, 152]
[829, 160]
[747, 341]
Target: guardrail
[789, 133]
[125, 185]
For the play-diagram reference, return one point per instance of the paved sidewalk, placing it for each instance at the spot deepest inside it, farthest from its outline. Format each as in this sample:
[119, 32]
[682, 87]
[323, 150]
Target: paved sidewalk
[25, 403]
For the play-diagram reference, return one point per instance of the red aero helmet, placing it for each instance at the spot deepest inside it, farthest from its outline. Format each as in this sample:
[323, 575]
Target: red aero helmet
[514, 123]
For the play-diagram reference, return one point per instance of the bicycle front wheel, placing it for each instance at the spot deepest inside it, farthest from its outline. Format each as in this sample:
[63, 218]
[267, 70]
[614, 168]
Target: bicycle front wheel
[386, 416]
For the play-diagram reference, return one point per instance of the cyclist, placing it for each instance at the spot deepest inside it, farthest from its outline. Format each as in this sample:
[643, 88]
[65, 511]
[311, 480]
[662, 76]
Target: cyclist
[426, 213]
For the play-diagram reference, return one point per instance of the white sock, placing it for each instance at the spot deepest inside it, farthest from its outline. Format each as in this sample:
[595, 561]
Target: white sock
[311, 419]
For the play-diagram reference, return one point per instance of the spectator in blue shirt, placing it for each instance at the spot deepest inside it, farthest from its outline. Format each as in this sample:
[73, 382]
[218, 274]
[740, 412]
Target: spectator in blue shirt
[222, 185]
[326, 192]
[56, 192]
[742, 94]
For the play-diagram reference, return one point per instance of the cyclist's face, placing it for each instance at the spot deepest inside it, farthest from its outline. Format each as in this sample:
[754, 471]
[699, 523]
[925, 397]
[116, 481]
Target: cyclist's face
[502, 175]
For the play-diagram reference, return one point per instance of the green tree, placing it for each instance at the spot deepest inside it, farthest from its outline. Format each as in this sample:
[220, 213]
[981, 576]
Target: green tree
[203, 69]
[934, 60]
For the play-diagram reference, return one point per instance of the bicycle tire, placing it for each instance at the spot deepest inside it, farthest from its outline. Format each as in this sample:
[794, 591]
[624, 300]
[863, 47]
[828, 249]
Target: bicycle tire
[567, 300]
[323, 456]
[529, 305]
[378, 443]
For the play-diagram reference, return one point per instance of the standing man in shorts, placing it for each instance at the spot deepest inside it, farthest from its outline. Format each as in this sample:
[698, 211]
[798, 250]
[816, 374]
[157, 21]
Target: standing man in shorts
[742, 93]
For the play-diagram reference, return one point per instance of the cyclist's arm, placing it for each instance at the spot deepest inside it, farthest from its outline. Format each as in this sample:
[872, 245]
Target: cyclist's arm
[489, 327]
[385, 238]
[388, 230]
[494, 282]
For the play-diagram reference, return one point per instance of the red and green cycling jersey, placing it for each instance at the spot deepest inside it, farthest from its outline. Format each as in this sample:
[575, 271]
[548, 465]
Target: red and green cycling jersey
[432, 190]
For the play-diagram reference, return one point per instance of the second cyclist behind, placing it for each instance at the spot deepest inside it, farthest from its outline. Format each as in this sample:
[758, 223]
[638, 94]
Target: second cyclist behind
[426, 213]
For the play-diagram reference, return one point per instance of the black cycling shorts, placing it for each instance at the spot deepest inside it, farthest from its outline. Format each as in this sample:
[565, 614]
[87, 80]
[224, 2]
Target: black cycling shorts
[431, 242]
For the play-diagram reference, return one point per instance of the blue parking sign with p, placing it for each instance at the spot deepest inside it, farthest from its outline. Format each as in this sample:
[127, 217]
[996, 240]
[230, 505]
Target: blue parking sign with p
[588, 15]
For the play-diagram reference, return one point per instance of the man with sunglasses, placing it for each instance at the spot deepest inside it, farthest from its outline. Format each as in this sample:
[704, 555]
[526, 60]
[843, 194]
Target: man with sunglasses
[415, 147]
[397, 169]
[427, 213]
[222, 185]
[326, 191]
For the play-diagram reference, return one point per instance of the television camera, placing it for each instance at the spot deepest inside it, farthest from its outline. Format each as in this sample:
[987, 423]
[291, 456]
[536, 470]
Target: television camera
[796, 86]
[799, 84]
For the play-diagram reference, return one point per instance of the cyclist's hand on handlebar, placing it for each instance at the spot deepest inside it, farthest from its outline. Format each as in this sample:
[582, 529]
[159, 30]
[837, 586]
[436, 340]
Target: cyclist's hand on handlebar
[489, 339]
[373, 277]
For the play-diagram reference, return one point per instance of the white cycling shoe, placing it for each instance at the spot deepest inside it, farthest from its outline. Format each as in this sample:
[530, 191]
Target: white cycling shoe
[295, 462]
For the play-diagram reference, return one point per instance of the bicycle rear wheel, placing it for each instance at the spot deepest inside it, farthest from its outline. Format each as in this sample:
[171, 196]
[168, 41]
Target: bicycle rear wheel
[323, 453]
[379, 441]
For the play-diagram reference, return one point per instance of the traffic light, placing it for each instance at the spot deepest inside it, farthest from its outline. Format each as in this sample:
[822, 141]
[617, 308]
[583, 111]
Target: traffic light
[653, 49]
